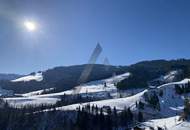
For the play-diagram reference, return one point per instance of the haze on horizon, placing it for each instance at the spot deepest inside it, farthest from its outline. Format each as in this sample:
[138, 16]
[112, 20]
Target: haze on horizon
[40, 34]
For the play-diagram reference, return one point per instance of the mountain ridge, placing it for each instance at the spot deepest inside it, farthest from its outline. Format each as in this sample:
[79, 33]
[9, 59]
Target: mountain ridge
[66, 77]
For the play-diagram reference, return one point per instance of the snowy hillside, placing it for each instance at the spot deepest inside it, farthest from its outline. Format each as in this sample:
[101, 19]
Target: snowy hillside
[170, 103]
[168, 123]
[171, 76]
[95, 88]
[23, 101]
[91, 87]
[167, 101]
[119, 103]
[39, 92]
[36, 77]
[182, 126]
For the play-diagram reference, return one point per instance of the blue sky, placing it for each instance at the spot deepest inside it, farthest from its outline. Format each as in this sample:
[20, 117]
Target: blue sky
[68, 30]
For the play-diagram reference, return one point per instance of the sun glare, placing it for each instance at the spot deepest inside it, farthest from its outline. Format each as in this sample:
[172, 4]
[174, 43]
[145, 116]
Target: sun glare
[30, 26]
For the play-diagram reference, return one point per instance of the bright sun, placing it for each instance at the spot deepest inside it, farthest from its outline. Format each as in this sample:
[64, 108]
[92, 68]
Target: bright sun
[30, 25]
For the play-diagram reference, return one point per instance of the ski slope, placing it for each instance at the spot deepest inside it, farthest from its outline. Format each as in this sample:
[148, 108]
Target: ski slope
[170, 103]
[25, 101]
[168, 123]
[34, 93]
[119, 103]
[90, 88]
[94, 88]
[37, 77]
[182, 126]
[170, 77]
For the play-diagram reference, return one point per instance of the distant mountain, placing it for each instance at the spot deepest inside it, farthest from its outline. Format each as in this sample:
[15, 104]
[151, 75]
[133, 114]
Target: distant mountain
[143, 73]
[60, 78]
[9, 76]
[67, 77]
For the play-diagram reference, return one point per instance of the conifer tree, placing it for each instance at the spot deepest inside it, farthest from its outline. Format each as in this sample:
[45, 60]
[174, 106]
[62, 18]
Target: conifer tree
[140, 116]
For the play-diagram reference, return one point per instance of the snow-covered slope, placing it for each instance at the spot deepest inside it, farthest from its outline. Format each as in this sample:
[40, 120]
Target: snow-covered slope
[119, 103]
[165, 123]
[171, 76]
[95, 88]
[170, 102]
[39, 92]
[37, 77]
[90, 88]
[24, 101]
[167, 100]
[182, 126]
[170, 123]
